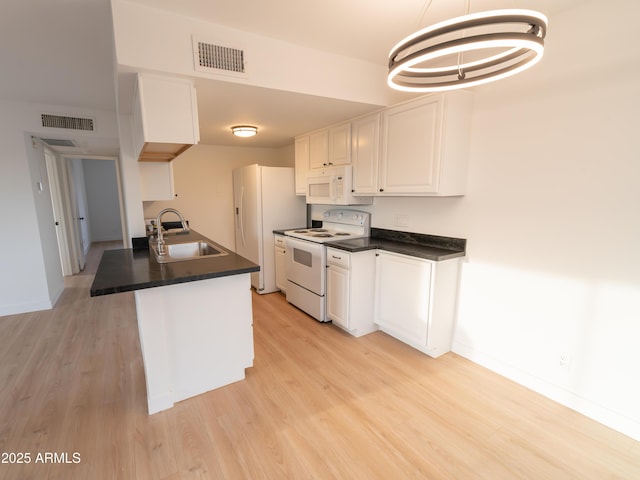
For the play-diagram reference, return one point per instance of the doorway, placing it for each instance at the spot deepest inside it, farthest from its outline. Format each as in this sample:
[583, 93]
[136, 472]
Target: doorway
[89, 205]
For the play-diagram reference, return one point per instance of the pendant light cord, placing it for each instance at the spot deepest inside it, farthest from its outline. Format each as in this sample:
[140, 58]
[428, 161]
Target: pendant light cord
[461, 74]
[426, 6]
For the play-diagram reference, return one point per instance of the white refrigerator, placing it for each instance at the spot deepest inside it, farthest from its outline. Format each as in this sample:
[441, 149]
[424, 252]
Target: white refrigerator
[264, 200]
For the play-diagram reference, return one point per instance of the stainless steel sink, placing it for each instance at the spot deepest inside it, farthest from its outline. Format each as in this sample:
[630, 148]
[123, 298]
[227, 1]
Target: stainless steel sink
[178, 252]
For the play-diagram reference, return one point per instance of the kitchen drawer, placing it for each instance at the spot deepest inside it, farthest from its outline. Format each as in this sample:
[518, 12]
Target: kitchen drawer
[339, 258]
[279, 241]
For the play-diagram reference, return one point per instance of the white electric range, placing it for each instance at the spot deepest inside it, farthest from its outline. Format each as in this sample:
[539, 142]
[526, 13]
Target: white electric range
[307, 257]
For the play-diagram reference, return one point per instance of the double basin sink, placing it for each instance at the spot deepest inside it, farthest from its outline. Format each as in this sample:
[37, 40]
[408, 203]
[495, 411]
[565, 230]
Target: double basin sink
[178, 252]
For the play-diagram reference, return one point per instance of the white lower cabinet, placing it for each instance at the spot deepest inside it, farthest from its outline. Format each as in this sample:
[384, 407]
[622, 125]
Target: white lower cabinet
[350, 289]
[415, 300]
[280, 253]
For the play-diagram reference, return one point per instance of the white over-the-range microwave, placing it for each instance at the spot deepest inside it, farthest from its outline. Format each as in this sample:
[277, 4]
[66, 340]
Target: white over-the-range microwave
[333, 186]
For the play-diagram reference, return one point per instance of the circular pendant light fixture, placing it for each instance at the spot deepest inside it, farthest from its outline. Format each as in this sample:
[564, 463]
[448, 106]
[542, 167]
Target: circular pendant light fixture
[468, 51]
[244, 130]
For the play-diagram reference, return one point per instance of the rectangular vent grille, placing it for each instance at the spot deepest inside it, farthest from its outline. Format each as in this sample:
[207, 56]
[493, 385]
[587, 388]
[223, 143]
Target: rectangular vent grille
[220, 58]
[73, 123]
[55, 142]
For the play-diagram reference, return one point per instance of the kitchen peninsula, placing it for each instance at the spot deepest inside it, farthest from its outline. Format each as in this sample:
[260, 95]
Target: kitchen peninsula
[194, 316]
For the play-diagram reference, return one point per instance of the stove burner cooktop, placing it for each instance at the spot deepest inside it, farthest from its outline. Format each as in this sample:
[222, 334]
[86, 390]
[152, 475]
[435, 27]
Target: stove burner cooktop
[311, 230]
[337, 225]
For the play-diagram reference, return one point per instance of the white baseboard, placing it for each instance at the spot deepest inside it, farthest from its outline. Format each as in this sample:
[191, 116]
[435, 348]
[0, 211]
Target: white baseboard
[611, 419]
[18, 308]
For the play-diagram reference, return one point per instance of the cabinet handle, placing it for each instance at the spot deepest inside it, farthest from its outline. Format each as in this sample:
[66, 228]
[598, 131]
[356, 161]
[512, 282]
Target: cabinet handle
[325, 164]
[337, 258]
[382, 189]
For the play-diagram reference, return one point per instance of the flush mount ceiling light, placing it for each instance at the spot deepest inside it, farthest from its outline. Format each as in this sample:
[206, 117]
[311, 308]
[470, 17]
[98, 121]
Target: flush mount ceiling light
[244, 130]
[467, 51]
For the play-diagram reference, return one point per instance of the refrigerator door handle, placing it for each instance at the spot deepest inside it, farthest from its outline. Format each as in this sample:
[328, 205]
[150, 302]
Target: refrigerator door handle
[240, 215]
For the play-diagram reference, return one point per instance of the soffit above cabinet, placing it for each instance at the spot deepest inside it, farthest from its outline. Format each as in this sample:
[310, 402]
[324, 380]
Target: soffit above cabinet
[161, 152]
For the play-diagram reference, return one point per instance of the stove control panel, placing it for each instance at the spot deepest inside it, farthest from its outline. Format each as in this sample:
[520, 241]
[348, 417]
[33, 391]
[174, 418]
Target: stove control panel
[347, 217]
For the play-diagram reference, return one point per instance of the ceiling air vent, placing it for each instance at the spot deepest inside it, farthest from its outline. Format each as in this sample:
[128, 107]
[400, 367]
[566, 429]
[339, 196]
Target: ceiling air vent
[215, 58]
[55, 142]
[73, 123]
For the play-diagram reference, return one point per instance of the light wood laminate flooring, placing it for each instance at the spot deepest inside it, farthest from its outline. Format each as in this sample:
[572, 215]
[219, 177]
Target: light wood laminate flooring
[318, 404]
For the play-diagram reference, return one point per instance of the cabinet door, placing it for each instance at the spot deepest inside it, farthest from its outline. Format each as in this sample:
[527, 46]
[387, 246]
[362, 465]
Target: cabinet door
[319, 149]
[302, 164]
[281, 266]
[340, 145]
[156, 181]
[365, 145]
[403, 290]
[411, 147]
[338, 295]
[164, 117]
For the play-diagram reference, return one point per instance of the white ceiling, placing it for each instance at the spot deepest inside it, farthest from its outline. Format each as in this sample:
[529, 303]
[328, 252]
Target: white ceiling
[59, 52]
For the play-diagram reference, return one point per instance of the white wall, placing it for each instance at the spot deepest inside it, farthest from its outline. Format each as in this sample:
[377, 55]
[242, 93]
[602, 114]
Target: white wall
[130, 182]
[552, 221]
[23, 280]
[30, 273]
[151, 39]
[102, 199]
[41, 191]
[204, 184]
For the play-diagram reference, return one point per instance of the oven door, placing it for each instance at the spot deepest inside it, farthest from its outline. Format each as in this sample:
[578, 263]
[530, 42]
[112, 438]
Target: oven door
[306, 264]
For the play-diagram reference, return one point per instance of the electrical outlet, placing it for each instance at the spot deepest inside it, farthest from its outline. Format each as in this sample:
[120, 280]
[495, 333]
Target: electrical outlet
[565, 360]
[402, 220]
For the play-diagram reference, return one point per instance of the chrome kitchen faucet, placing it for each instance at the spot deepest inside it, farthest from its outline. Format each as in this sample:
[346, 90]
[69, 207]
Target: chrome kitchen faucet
[185, 227]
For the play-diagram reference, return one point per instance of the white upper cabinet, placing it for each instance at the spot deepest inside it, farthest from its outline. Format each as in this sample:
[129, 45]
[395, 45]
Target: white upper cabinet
[340, 145]
[301, 164]
[330, 146]
[156, 181]
[365, 151]
[164, 117]
[416, 148]
[319, 149]
[425, 146]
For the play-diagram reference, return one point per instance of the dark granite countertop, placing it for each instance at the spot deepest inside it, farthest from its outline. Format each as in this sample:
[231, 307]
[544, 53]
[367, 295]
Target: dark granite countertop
[125, 270]
[281, 231]
[430, 247]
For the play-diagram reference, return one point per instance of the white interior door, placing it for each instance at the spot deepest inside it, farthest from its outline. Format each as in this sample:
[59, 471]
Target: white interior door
[59, 216]
[80, 211]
